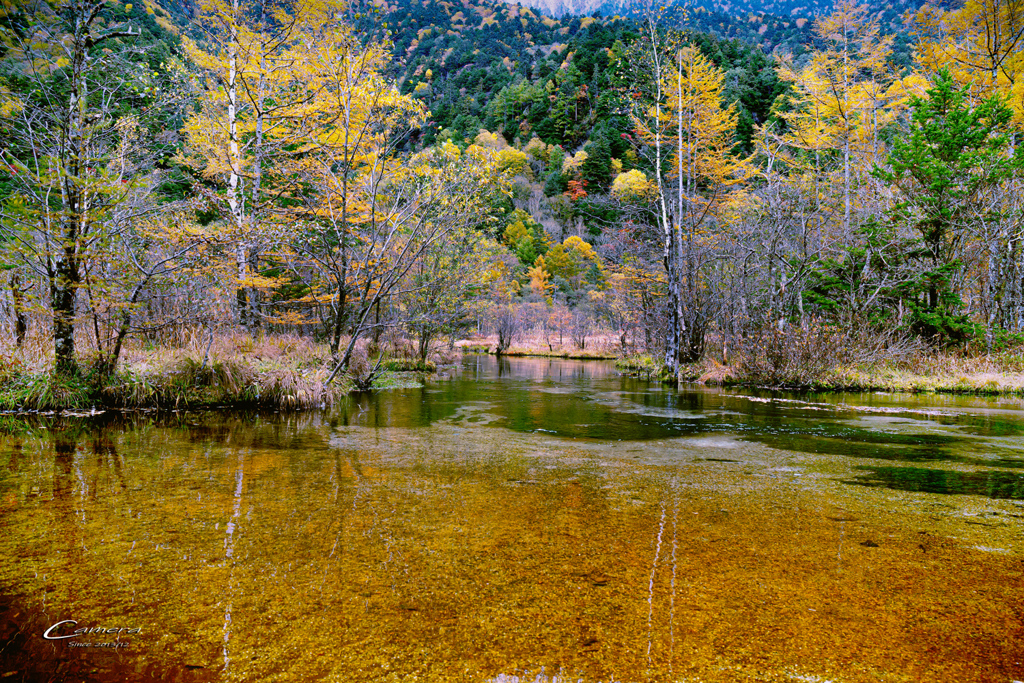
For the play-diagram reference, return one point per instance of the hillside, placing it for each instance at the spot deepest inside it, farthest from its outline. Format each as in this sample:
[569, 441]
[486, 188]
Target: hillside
[766, 22]
[509, 69]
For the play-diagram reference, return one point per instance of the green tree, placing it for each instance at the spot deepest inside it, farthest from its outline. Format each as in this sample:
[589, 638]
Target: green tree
[946, 169]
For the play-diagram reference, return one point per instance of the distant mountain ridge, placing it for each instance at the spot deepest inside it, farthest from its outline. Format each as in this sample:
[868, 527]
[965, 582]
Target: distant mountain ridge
[770, 23]
[734, 8]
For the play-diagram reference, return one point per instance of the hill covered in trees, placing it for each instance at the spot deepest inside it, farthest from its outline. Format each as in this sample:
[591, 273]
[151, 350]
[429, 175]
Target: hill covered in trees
[375, 176]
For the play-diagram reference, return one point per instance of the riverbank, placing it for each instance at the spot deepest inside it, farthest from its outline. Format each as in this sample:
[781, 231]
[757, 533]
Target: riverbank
[995, 375]
[267, 372]
[597, 347]
[286, 372]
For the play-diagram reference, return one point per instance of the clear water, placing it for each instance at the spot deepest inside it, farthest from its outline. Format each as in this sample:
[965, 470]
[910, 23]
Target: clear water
[522, 518]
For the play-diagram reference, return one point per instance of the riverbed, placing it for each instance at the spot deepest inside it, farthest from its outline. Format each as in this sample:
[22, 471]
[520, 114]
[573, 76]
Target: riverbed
[522, 519]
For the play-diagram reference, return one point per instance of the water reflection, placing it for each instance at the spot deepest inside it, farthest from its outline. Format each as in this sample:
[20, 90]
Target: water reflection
[590, 400]
[441, 534]
[1006, 485]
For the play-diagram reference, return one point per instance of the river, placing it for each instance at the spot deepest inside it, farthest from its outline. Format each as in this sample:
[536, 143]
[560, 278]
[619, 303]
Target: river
[521, 520]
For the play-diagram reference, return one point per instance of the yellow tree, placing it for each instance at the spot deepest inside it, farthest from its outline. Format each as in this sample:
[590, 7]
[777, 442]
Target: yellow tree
[260, 72]
[352, 226]
[980, 44]
[818, 154]
[690, 123]
[375, 227]
[846, 94]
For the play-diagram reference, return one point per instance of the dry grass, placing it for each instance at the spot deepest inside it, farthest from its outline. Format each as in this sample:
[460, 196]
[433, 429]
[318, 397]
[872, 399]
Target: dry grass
[280, 372]
[267, 371]
[943, 372]
[925, 373]
[598, 346]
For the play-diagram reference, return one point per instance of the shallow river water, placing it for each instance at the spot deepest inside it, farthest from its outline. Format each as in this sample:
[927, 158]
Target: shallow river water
[522, 520]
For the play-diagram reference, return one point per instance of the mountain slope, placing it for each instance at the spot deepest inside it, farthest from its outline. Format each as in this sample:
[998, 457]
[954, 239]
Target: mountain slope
[773, 24]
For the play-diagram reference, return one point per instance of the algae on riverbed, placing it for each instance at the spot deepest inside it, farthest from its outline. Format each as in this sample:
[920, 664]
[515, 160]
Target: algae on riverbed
[411, 535]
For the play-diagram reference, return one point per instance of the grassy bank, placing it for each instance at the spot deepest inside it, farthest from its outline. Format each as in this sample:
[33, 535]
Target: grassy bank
[1001, 374]
[998, 374]
[267, 372]
[597, 348]
[292, 373]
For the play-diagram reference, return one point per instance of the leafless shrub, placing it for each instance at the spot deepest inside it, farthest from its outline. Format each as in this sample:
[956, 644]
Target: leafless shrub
[508, 324]
[870, 346]
[799, 356]
[580, 328]
[794, 355]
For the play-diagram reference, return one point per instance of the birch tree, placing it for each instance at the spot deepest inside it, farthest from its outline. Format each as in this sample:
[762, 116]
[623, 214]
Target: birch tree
[259, 77]
[689, 134]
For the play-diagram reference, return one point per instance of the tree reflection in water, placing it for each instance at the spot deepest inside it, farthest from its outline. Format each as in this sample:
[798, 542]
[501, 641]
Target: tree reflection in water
[311, 547]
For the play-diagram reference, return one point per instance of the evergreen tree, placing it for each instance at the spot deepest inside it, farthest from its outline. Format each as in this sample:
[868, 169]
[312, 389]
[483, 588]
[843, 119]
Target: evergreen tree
[954, 155]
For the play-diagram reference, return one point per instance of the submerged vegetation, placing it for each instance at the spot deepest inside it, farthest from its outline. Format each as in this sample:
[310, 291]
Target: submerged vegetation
[186, 223]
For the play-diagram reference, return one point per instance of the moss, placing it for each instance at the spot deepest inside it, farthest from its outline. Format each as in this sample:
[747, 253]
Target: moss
[409, 365]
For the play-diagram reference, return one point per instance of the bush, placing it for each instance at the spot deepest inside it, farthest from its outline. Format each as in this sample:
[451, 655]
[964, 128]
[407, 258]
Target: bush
[803, 356]
[794, 355]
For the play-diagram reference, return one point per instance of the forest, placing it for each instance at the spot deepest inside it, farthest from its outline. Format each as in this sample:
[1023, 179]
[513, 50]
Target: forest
[274, 202]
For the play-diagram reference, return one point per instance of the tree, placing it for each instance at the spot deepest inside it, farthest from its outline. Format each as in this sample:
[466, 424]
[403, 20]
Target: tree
[74, 156]
[955, 155]
[811, 219]
[688, 127]
[980, 43]
[264, 66]
[844, 95]
[367, 229]
[447, 275]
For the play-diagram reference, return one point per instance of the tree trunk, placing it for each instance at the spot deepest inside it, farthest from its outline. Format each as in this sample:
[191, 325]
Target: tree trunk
[18, 302]
[235, 197]
[63, 297]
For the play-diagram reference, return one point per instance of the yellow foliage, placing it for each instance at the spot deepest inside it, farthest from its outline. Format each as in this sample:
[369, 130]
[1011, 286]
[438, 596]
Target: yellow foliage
[537, 149]
[981, 43]
[633, 185]
[490, 140]
[516, 233]
[572, 164]
[692, 123]
[514, 162]
[571, 258]
[846, 95]
[539, 278]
